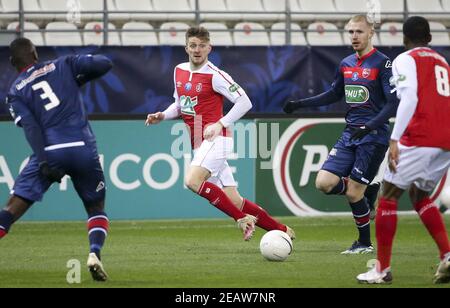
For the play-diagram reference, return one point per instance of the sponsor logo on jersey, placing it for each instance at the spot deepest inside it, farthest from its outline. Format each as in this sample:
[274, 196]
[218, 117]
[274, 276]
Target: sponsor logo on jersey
[36, 74]
[188, 86]
[198, 87]
[355, 76]
[356, 94]
[366, 73]
[234, 88]
[187, 104]
[179, 84]
[388, 64]
[395, 80]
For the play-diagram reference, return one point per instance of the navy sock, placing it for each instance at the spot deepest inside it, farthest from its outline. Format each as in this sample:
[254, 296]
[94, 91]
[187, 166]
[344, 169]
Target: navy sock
[361, 213]
[98, 225]
[340, 188]
[6, 220]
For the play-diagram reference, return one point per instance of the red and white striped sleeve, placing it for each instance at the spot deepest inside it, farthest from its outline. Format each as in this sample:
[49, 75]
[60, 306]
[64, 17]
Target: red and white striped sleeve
[225, 85]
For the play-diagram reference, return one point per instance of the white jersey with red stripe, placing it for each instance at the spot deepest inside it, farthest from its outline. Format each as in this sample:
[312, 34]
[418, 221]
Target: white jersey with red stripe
[425, 72]
[200, 95]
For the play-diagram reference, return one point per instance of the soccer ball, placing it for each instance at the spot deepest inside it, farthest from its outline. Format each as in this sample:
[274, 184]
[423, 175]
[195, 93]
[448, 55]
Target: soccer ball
[276, 245]
[445, 197]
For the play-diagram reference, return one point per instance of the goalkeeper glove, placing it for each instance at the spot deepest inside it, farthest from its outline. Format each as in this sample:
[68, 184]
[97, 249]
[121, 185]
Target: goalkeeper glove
[292, 105]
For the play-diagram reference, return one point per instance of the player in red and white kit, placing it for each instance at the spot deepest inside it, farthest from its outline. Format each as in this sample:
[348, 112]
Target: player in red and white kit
[419, 154]
[200, 88]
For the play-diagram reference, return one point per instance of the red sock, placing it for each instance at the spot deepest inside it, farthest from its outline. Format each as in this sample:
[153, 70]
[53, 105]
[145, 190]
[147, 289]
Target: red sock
[385, 226]
[220, 200]
[264, 221]
[2, 233]
[432, 219]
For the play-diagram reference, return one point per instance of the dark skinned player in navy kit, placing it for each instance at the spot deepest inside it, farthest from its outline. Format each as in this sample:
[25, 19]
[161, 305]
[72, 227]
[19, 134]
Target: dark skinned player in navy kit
[45, 101]
[364, 79]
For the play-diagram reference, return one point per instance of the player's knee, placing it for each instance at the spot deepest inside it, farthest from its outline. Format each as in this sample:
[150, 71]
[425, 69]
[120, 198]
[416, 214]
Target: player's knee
[323, 185]
[94, 207]
[192, 183]
[354, 192]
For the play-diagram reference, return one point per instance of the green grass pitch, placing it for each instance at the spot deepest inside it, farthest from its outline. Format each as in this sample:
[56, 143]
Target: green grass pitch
[208, 254]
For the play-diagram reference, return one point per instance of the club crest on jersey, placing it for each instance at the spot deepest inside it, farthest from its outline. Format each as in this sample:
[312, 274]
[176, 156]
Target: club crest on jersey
[198, 87]
[366, 73]
[355, 76]
[188, 86]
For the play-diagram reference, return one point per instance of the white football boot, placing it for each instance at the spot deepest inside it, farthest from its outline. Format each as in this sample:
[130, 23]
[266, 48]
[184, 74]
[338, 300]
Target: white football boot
[443, 272]
[96, 268]
[290, 232]
[373, 276]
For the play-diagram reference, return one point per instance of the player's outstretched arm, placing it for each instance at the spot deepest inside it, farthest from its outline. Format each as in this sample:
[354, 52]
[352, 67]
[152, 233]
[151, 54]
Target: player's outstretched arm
[172, 112]
[90, 67]
[326, 98]
[241, 106]
[154, 118]
[329, 97]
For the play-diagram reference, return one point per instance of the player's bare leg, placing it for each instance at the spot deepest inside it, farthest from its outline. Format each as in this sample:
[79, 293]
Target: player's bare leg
[15, 208]
[197, 181]
[98, 225]
[264, 220]
[326, 182]
[195, 177]
[432, 219]
[331, 184]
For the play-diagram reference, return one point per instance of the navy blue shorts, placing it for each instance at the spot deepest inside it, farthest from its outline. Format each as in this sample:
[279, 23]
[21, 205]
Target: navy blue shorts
[360, 162]
[82, 164]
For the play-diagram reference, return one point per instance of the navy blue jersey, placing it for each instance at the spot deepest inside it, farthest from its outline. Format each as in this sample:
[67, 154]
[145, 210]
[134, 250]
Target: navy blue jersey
[365, 83]
[45, 100]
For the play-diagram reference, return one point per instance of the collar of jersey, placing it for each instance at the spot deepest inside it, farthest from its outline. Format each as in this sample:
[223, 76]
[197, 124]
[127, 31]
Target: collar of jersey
[361, 59]
[27, 68]
[200, 69]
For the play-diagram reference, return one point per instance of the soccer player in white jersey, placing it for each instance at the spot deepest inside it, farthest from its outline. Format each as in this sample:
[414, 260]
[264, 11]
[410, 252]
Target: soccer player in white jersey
[419, 154]
[200, 88]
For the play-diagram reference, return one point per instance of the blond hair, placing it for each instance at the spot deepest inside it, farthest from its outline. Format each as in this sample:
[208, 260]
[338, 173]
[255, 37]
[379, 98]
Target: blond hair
[362, 18]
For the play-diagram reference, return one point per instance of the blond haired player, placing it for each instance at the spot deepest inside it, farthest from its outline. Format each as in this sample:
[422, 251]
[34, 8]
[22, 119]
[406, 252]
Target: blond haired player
[200, 88]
